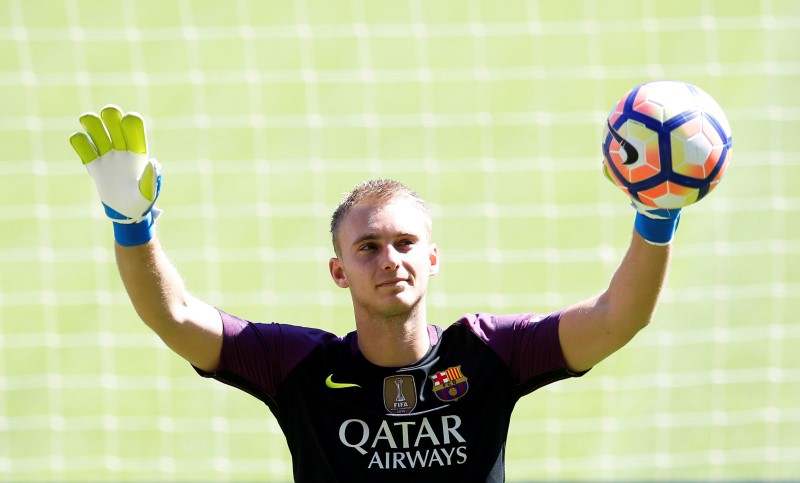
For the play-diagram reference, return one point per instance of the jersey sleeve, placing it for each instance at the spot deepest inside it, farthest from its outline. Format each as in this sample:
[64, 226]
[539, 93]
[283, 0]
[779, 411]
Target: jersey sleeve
[257, 357]
[527, 343]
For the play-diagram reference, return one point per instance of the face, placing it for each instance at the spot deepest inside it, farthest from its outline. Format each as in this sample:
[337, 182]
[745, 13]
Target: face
[386, 258]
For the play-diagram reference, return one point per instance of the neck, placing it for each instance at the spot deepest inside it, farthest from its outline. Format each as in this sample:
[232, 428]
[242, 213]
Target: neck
[393, 341]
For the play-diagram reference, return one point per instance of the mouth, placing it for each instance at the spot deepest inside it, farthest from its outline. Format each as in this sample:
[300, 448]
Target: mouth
[393, 282]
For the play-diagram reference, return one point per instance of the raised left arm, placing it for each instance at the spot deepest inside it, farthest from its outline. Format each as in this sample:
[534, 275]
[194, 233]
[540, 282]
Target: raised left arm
[593, 329]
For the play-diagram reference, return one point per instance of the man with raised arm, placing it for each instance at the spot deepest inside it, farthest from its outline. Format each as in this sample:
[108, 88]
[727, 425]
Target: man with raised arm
[399, 398]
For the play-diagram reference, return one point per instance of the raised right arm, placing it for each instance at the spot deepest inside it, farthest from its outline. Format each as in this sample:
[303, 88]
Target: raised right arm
[114, 151]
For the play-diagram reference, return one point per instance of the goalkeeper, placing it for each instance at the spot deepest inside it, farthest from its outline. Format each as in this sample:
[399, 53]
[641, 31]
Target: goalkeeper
[399, 398]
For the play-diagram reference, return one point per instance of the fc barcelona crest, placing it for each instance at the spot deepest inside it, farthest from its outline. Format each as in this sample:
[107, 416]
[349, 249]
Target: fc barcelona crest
[450, 385]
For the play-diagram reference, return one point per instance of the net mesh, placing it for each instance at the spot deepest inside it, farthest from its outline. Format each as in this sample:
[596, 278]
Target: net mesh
[264, 113]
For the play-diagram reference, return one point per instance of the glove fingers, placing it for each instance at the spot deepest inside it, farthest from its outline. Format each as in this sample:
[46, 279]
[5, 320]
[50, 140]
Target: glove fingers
[606, 173]
[97, 132]
[112, 118]
[655, 213]
[83, 146]
[133, 130]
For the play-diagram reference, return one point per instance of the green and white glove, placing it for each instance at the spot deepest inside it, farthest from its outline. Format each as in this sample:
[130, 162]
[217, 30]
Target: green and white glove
[114, 151]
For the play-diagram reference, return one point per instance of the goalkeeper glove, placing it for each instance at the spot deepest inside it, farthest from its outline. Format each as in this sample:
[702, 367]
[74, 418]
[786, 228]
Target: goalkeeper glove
[656, 225]
[114, 151]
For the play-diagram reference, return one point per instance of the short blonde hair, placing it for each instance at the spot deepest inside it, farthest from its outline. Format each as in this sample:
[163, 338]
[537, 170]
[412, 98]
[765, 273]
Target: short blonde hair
[382, 191]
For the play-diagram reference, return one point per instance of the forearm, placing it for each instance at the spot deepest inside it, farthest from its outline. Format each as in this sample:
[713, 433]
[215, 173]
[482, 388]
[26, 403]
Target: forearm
[630, 300]
[190, 327]
[592, 330]
[154, 286]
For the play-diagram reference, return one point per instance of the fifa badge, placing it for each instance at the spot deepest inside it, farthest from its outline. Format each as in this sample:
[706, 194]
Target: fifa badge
[399, 394]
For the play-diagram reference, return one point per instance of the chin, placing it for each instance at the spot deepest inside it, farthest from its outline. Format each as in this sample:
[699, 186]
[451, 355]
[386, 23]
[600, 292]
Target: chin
[402, 306]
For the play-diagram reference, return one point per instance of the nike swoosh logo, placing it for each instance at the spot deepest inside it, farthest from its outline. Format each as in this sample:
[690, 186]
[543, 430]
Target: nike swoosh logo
[338, 385]
[631, 154]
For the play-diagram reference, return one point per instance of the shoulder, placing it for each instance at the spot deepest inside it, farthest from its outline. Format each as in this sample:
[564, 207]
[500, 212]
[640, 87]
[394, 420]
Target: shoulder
[528, 343]
[258, 356]
[236, 328]
[489, 327]
[272, 342]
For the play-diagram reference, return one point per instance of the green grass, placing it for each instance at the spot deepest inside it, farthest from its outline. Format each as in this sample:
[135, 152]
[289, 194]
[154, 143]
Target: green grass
[264, 113]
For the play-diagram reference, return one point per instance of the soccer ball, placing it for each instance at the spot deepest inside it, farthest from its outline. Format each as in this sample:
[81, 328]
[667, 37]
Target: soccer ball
[666, 144]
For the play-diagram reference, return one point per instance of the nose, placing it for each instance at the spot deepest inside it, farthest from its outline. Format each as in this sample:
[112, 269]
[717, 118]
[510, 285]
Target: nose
[391, 258]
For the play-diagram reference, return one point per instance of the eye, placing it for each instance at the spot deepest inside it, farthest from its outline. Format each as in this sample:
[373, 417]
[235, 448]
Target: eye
[406, 244]
[366, 247]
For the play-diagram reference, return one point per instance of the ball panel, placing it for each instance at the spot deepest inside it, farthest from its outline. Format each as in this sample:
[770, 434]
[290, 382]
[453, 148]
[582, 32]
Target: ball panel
[723, 167]
[710, 131]
[645, 142]
[711, 108]
[650, 108]
[696, 148]
[666, 98]
[669, 195]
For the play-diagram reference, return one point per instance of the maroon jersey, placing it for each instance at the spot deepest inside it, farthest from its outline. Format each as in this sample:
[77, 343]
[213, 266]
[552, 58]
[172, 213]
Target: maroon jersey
[444, 418]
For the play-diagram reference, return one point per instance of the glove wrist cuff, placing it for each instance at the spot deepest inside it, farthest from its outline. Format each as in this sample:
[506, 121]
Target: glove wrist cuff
[133, 234]
[656, 231]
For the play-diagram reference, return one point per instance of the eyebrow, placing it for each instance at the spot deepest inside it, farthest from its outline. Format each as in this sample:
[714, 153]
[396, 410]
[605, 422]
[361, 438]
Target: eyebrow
[375, 236]
[364, 237]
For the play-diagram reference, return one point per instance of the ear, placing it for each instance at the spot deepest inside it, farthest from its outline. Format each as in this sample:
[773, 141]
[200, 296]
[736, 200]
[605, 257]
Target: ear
[433, 255]
[337, 272]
